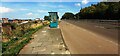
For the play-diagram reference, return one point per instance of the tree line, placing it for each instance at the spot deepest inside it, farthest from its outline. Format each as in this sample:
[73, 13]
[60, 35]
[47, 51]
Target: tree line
[101, 10]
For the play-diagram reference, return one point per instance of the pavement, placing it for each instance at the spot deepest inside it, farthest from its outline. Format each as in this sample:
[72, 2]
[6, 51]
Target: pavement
[82, 41]
[46, 41]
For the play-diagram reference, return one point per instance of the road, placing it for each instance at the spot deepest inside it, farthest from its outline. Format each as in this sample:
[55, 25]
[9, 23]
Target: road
[82, 41]
[106, 29]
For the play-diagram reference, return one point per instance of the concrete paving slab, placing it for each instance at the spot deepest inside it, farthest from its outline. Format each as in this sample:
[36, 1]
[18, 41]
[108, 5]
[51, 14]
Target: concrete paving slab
[46, 41]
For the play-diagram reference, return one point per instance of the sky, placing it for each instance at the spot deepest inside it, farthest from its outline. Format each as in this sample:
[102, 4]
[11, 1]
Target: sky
[49, 0]
[32, 10]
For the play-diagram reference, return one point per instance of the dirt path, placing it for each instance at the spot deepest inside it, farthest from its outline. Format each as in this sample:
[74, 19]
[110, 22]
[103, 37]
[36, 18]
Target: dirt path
[46, 41]
[82, 41]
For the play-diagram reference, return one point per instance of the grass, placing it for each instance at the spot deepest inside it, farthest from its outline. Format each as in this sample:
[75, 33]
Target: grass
[0, 48]
[13, 47]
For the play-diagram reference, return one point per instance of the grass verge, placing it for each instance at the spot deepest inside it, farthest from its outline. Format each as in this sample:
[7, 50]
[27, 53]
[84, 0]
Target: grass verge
[13, 47]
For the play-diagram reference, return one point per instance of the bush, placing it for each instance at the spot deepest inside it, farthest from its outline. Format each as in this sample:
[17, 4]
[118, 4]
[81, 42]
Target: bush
[15, 50]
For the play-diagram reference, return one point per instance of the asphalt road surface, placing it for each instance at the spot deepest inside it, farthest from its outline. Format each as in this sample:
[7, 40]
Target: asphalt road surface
[82, 41]
[107, 29]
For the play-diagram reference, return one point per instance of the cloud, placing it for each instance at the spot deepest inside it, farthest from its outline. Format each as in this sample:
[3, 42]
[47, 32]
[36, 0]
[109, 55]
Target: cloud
[42, 11]
[5, 10]
[85, 1]
[23, 9]
[29, 14]
[77, 4]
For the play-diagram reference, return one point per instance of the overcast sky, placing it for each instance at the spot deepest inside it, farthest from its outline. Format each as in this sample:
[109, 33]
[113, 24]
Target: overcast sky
[40, 9]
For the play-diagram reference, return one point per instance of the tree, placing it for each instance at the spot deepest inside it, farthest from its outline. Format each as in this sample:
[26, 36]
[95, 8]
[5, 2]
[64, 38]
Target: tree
[47, 18]
[113, 10]
[102, 10]
[68, 15]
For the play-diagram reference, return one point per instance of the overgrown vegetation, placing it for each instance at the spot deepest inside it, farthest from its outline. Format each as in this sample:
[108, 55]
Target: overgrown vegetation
[20, 37]
[0, 48]
[102, 10]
